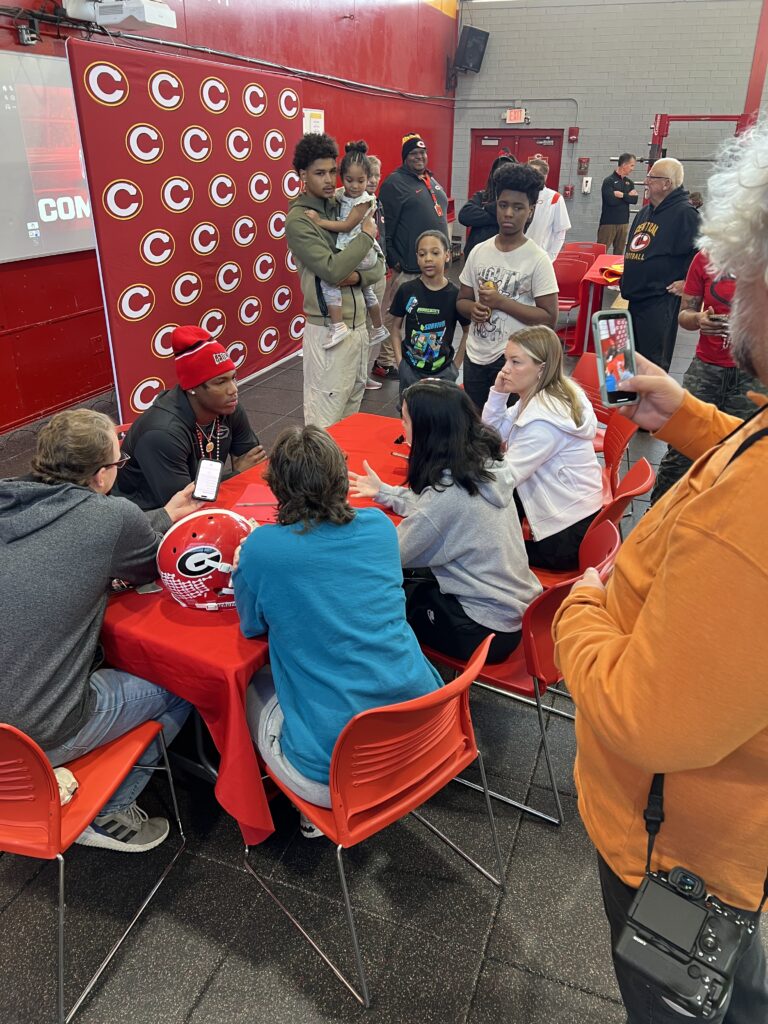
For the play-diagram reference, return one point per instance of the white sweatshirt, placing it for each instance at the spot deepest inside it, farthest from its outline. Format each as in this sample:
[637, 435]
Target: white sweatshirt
[553, 462]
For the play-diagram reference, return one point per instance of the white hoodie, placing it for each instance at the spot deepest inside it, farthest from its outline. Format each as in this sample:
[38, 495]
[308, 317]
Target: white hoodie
[557, 475]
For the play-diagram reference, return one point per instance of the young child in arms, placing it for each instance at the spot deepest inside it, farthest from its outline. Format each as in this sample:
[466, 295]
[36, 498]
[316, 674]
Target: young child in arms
[355, 204]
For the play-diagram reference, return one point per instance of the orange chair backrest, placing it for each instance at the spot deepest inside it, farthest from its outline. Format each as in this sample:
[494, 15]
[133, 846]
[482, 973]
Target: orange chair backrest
[599, 547]
[389, 760]
[639, 479]
[30, 810]
[569, 273]
[619, 432]
[538, 645]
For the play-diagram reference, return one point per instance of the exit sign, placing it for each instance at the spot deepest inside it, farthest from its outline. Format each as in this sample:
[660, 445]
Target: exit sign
[516, 115]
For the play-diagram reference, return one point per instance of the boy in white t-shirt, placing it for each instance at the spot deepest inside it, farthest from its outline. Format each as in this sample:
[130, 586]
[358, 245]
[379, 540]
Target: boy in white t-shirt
[507, 282]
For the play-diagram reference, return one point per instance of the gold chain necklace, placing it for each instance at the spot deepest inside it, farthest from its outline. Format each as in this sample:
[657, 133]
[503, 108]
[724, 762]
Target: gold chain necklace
[206, 441]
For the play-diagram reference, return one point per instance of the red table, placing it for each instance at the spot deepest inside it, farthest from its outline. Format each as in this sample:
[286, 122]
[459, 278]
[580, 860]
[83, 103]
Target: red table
[591, 301]
[203, 656]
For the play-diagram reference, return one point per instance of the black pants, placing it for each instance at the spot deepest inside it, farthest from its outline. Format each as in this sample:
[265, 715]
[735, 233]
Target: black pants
[439, 621]
[560, 551]
[749, 999]
[654, 322]
[478, 379]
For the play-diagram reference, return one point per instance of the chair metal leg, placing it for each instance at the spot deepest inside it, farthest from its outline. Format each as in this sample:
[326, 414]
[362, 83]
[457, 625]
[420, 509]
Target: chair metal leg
[524, 700]
[498, 882]
[545, 744]
[60, 987]
[363, 999]
[352, 928]
[147, 899]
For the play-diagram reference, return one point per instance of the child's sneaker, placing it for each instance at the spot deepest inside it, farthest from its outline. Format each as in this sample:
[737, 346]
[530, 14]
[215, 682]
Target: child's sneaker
[336, 333]
[129, 831]
[308, 829]
[378, 335]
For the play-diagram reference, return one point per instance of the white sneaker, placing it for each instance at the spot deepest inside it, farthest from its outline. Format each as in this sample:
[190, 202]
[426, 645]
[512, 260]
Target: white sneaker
[378, 335]
[336, 334]
[308, 829]
[373, 385]
[129, 831]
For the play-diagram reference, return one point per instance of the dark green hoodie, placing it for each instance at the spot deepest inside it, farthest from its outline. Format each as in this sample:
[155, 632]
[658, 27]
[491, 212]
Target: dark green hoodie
[317, 257]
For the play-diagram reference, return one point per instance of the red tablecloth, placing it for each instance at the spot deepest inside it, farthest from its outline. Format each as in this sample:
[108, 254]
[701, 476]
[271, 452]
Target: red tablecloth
[203, 656]
[591, 301]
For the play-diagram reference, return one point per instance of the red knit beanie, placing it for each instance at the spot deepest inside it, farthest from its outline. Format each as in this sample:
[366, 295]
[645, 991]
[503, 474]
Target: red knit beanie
[198, 357]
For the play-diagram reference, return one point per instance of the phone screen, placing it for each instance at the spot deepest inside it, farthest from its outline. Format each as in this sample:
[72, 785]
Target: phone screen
[615, 348]
[207, 480]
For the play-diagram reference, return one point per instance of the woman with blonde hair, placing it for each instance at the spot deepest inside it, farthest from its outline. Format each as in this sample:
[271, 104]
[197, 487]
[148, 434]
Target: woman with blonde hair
[549, 436]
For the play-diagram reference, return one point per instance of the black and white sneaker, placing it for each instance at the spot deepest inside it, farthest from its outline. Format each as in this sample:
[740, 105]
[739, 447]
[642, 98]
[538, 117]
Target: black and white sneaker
[129, 831]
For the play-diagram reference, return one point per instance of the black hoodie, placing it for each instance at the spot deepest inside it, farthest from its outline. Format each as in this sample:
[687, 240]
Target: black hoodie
[410, 205]
[660, 248]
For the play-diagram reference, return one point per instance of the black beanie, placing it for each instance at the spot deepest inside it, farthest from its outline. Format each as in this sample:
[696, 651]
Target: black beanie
[411, 142]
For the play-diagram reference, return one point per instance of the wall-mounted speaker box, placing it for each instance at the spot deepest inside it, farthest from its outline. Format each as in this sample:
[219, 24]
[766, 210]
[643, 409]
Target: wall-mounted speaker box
[471, 49]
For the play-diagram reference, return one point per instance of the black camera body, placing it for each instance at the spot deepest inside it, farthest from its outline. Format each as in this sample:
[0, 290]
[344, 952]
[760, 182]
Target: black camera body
[685, 942]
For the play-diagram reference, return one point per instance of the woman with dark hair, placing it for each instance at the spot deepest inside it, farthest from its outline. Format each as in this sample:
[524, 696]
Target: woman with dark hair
[479, 213]
[459, 522]
[325, 581]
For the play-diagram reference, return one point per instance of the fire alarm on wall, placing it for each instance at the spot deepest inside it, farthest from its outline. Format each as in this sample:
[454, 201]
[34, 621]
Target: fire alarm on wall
[568, 192]
[573, 134]
[582, 167]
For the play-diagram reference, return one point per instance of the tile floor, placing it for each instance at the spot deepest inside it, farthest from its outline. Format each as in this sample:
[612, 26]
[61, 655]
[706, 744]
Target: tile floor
[440, 943]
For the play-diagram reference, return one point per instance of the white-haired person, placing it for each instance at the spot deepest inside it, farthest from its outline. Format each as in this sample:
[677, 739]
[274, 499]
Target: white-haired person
[548, 434]
[662, 243]
[667, 662]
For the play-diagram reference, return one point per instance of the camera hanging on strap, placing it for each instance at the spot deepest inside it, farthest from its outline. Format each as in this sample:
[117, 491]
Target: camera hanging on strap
[682, 940]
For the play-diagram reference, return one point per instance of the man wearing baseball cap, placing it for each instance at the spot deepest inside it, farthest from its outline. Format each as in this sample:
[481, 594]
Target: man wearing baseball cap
[197, 419]
[413, 202]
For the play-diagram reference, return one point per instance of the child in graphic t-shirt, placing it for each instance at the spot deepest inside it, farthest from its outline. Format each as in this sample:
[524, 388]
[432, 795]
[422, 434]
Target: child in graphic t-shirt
[355, 203]
[507, 283]
[425, 317]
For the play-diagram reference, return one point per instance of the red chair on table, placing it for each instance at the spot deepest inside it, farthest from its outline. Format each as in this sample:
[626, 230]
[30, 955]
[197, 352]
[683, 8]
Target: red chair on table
[33, 823]
[594, 249]
[386, 763]
[598, 550]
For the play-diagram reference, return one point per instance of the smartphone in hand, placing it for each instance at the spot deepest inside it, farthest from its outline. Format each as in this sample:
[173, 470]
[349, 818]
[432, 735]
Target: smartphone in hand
[208, 479]
[615, 350]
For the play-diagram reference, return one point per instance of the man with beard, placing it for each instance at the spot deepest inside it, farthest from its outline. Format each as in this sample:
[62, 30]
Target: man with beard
[666, 663]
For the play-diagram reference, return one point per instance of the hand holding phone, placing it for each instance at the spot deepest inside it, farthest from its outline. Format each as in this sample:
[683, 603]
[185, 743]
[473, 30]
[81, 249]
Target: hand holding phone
[615, 351]
[208, 479]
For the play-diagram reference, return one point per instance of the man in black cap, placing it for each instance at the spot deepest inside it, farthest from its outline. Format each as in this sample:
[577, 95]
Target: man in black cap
[198, 419]
[413, 202]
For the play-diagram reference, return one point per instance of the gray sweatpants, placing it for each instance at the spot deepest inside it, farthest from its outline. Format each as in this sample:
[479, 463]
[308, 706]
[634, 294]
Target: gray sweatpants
[334, 378]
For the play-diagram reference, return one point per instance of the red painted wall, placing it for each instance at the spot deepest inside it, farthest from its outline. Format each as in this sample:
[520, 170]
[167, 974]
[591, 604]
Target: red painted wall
[53, 349]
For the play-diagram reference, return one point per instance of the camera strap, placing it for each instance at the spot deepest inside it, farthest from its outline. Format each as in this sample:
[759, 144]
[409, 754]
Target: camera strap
[654, 816]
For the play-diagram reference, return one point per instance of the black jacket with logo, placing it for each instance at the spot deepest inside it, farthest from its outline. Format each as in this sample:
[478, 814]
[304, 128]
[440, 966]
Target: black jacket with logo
[660, 247]
[409, 209]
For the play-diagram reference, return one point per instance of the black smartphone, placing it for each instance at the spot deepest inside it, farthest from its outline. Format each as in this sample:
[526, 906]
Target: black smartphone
[208, 479]
[615, 350]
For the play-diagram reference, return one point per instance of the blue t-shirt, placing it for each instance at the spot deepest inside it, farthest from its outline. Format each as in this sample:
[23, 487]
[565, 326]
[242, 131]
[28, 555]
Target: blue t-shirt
[333, 603]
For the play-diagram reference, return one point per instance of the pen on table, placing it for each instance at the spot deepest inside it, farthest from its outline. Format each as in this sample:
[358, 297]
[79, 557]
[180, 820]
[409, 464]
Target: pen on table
[400, 455]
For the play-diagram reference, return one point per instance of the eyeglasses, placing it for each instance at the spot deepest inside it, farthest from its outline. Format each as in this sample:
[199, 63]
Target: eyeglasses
[657, 177]
[119, 464]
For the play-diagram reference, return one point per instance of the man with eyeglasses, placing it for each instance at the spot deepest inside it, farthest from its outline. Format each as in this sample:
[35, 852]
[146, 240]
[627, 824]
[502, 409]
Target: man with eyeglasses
[198, 419]
[661, 246]
[62, 542]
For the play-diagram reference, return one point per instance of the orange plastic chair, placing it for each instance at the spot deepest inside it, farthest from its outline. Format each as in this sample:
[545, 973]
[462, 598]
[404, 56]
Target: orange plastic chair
[594, 248]
[525, 677]
[585, 374]
[638, 480]
[387, 762]
[618, 433]
[34, 824]
[598, 550]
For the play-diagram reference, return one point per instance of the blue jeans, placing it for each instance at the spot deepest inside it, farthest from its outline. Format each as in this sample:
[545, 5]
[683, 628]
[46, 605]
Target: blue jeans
[122, 702]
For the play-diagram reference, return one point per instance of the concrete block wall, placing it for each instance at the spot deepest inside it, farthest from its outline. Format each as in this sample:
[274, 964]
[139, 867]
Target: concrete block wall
[607, 67]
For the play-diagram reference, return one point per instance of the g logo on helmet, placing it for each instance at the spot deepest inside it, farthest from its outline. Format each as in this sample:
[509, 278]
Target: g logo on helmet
[195, 558]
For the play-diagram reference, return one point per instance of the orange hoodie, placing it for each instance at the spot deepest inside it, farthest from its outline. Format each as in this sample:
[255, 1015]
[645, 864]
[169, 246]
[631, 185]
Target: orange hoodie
[667, 667]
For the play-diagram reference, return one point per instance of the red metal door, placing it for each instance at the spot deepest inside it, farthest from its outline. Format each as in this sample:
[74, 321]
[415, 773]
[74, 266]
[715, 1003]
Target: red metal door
[520, 143]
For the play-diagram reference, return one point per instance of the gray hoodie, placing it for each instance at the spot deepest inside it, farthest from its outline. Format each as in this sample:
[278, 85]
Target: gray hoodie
[472, 543]
[60, 546]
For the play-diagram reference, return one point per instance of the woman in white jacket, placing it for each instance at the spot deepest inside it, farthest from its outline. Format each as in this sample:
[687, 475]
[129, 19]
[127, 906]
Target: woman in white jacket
[549, 436]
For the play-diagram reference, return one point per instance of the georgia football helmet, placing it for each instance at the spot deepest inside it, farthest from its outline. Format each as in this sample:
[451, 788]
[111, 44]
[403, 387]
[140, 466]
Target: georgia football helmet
[195, 558]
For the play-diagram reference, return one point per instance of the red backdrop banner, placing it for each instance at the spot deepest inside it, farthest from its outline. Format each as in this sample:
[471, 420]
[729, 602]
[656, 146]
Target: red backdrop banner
[189, 170]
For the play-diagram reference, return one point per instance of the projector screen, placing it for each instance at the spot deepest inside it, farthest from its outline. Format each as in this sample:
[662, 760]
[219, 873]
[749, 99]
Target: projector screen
[44, 203]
